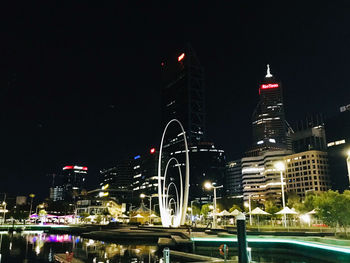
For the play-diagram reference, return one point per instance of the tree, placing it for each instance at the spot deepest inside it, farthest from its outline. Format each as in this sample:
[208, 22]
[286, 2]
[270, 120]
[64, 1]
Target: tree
[98, 219]
[308, 204]
[293, 200]
[84, 216]
[271, 208]
[196, 209]
[253, 204]
[42, 212]
[333, 208]
[226, 203]
[234, 207]
[205, 210]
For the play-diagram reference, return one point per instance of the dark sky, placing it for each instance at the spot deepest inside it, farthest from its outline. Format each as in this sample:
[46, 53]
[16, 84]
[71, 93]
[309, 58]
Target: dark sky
[80, 84]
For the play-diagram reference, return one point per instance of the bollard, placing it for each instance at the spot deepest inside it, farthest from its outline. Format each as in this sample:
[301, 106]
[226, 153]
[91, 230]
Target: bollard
[242, 239]
[166, 255]
[249, 249]
[225, 252]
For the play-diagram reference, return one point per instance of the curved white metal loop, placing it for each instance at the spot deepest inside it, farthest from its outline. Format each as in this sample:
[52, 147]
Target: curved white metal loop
[181, 205]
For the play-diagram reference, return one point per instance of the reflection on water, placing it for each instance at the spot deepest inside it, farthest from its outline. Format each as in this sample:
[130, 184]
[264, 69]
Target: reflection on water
[261, 256]
[41, 247]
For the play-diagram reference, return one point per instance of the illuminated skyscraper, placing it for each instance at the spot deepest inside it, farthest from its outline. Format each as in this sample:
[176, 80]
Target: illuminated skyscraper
[183, 99]
[268, 120]
[68, 185]
[338, 143]
[183, 93]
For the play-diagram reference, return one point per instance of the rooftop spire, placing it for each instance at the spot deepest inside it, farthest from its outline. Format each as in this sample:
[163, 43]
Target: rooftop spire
[268, 74]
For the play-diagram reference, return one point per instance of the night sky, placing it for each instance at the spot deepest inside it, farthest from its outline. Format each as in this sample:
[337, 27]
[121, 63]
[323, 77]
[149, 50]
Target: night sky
[80, 84]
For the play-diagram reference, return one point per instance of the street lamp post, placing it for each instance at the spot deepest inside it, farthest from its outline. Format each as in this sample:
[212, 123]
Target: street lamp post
[192, 210]
[281, 167]
[209, 186]
[348, 164]
[250, 209]
[31, 203]
[4, 207]
[150, 204]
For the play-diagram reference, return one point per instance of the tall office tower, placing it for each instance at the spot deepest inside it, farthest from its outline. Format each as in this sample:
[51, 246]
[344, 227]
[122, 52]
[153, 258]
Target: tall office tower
[183, 99]
[338, 144]
[118, 179]
[270, 130]
[68, 184]
[183, 93]
[233, 178]
[309, 135]
[207, 163]
[145, 174]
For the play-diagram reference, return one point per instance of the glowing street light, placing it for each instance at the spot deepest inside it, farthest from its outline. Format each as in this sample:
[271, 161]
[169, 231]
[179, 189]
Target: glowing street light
[209, 186]
[142, 196]
[105, 187]
[103, 194]
[281, 168]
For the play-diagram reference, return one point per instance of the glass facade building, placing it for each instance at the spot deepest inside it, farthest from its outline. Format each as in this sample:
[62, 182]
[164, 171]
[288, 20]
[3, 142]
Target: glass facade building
[69, 183]
[182, 95]
[183, 99]
[233, 178]
[270, 131]
[338, 146]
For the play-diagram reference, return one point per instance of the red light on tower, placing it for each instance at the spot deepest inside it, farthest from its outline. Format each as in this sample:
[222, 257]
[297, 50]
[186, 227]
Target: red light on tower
[181, 57]
[269, 86]
[152, 151]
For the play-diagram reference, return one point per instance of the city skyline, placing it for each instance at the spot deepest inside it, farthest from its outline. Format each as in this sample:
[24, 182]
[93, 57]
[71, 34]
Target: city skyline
[63, 104]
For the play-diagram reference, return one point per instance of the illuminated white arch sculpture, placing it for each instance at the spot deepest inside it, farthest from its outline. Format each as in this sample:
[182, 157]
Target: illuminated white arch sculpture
[163, 195]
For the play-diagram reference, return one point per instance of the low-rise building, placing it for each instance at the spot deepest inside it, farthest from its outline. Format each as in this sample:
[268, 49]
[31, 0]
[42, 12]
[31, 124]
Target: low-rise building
[307, 171]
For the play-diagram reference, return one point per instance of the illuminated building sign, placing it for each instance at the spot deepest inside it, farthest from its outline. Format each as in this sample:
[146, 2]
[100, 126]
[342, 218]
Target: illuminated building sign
[269, 86]
[152, 151]
[137, 157]
[71, 167]
[181, 57]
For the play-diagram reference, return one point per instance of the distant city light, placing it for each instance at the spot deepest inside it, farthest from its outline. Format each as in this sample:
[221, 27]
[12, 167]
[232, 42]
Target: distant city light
[75, 167]
[181, 57]
[152, 151]
[68, 167]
